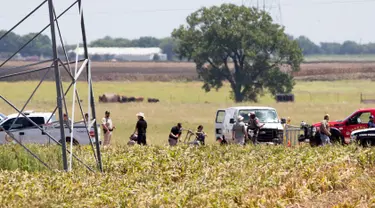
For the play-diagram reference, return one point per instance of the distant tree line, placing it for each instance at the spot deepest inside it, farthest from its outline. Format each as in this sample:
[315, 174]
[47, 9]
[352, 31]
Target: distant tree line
[346, 48]
[41, 46]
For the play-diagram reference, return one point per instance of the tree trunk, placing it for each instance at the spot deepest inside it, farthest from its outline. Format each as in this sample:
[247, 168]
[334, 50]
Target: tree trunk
[238, 97]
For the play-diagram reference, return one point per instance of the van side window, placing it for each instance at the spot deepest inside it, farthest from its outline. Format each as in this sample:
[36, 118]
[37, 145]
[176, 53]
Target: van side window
[220, 115]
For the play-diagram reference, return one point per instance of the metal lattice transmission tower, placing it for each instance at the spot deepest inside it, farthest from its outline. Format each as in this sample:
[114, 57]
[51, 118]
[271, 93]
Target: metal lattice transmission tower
[58, 65]
[271, 6]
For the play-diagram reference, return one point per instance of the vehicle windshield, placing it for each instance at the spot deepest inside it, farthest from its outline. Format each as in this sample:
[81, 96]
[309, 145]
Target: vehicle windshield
[350, 116]
[264, 115]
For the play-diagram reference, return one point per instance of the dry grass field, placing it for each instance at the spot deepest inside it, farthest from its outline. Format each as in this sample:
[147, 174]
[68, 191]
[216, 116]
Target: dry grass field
[167, 71]
[211, 176]
[186, 102]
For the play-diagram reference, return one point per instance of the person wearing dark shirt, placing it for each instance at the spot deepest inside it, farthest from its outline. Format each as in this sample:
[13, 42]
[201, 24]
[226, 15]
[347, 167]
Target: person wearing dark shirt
[200, 136]
[175, 134]
[140, 128]
[370, 123]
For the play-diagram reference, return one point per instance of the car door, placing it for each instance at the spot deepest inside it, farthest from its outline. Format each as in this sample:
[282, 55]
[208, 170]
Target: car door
[228, 126]
[219, 123]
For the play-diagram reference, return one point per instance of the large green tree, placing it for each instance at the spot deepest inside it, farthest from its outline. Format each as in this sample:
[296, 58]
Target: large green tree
[240, 45]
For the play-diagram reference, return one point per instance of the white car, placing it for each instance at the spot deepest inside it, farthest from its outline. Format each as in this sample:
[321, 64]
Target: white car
[271, 132]
[25, 132]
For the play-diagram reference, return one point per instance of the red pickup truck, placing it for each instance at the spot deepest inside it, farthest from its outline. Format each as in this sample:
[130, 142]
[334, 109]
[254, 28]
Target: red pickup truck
[342, 129]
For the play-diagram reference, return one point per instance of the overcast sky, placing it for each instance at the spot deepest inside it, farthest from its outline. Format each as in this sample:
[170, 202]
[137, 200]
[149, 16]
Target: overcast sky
[320, 20]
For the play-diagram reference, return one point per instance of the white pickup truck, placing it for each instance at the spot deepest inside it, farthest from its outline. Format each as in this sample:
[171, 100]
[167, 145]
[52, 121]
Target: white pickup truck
[26, 132]
[271, 132]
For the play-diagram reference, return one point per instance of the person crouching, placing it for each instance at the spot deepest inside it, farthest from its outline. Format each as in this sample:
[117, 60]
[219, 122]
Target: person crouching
[200, 136]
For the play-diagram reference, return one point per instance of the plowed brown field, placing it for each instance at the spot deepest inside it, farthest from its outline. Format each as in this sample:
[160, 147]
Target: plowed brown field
[167, 71]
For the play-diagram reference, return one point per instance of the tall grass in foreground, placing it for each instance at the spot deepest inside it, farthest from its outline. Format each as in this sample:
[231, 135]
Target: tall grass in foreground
[211, 176]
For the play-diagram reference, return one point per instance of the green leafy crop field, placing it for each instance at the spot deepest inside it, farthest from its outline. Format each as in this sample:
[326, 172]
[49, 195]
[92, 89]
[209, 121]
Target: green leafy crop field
[182, 176]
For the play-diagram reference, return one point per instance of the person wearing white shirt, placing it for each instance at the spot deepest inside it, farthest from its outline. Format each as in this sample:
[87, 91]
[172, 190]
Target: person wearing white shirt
[107, 128]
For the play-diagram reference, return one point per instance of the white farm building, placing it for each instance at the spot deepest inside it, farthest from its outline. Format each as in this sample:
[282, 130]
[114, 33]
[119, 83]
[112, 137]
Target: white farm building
[122, 54]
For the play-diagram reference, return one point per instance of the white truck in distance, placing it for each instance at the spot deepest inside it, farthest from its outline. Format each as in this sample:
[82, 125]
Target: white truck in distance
[271, 132]
[25, 132]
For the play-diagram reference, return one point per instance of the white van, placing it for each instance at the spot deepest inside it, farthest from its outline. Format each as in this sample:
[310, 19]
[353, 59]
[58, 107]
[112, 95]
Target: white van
[271, 132]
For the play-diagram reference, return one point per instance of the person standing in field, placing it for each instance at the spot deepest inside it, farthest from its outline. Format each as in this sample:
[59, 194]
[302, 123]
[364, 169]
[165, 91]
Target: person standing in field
[67, 121]
[175, 134]
[141, 128]
[87, 117]
[371, 123]
[108, 127]
[325, 131]
[239, 133]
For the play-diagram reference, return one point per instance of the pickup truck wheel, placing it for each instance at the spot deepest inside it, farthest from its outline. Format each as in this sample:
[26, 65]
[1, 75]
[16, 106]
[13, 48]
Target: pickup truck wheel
[366, 142]
[337, 139]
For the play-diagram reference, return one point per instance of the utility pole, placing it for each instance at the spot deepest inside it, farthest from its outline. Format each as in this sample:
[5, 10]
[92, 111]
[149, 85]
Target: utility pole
[91, 93]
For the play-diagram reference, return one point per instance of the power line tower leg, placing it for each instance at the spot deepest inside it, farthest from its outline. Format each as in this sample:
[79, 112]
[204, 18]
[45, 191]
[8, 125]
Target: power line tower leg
[58, 84]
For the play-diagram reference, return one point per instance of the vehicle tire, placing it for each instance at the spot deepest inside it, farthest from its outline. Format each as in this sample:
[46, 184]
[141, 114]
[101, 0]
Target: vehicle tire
[366, 142]
[337, 138]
